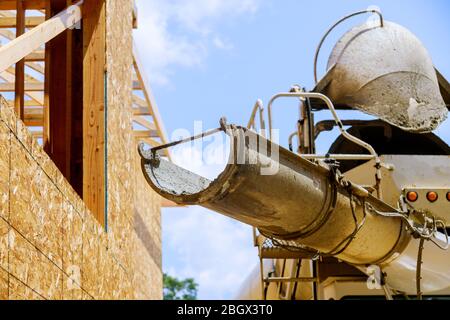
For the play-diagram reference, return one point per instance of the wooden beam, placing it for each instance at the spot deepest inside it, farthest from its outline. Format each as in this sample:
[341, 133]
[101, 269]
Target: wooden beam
[135, 15]
[30, 22]
[27, 87]
[36, 56]
[146, 133]
[46, 114]
[139, 101]
[35, 111]
[140, 111]
[19, 87]
[32, 40]
[144, 122]
[137, 85]
[94, 153]
[35, 66]
[34, 117]
[59, 107]
[37, 97]
[28, 103]
[75, 40]
[8, 34]
[151, 142]
[32, 122]
[8, 76]
[36, 134]
[149, 96]
[31, 79]
[27, 4]
[63, 124]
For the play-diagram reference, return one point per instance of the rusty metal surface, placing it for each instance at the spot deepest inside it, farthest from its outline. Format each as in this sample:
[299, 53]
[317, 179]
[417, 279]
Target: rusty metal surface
[385, 71]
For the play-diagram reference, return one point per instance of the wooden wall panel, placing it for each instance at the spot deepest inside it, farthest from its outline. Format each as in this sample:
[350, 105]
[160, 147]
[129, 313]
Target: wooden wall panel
[147, 226]
[4, 283]
[4, 230]
[94, 157]
[4, 172]
[33, 268]
[72, 242]
[32, 214]
[19, 291]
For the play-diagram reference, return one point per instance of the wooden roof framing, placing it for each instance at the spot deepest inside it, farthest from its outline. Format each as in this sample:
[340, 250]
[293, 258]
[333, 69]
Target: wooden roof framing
[147, 123]
[27, 4]
[146, 108]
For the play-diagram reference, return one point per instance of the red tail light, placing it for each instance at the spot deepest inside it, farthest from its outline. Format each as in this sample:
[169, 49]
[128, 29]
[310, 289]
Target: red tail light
[432, 196]
[412, 196]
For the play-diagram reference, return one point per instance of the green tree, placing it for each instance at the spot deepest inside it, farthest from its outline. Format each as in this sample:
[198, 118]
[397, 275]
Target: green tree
[175, 289]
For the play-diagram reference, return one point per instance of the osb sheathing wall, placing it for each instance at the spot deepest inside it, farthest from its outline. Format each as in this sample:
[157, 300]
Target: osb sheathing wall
[51, 246]
[134, 209]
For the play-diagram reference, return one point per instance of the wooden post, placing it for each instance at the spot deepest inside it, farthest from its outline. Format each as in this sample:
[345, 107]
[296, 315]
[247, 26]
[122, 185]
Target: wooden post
[20, 66]
[63, 128]
[94, 154]
[46, 106]
[76, 161]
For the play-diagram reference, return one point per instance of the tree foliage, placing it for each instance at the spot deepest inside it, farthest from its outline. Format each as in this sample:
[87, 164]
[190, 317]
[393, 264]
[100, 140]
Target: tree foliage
[176, 289]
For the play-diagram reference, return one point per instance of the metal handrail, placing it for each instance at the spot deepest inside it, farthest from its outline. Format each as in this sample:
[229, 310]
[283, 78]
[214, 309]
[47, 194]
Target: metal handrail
[290, 140]
[259, 106]
[315, 95]
[316, 56]
[345, 134]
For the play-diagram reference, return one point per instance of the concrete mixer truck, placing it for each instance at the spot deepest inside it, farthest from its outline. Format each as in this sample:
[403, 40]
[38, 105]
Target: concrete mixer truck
[369, 218]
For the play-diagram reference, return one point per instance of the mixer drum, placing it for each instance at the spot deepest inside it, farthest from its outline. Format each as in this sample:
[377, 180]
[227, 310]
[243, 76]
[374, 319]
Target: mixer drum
[385, 71]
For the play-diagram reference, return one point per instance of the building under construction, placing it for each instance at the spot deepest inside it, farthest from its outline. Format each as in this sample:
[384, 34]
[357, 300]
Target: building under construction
[77, 219]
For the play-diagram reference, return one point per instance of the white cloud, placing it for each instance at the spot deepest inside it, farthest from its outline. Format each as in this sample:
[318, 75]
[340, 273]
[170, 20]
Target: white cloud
[179, 33]
[206, 157]
[202, 15]
[219, 43]
[215, 250]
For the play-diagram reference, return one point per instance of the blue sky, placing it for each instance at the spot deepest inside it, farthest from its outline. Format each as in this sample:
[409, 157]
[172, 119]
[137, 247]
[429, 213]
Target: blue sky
[211, 58]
